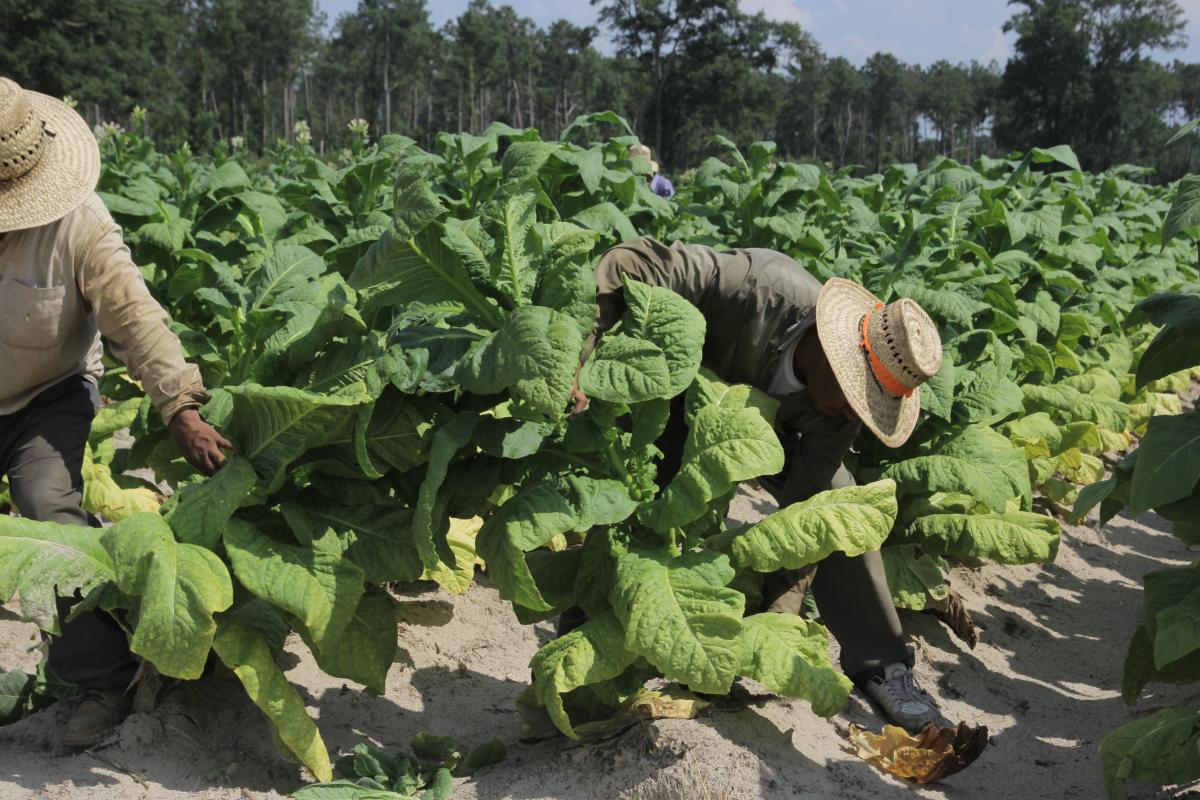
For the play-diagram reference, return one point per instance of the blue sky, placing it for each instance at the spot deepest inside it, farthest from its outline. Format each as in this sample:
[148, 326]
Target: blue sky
[916, 31]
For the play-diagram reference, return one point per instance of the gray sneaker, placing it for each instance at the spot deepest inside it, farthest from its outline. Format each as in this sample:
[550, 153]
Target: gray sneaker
[903, 702]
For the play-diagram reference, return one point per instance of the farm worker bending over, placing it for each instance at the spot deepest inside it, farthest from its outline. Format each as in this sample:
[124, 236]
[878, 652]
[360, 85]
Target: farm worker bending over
[836, 359]
[65, 278]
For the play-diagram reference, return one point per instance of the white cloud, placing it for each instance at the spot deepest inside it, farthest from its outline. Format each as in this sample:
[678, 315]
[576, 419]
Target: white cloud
[780, 10]
[840, 6]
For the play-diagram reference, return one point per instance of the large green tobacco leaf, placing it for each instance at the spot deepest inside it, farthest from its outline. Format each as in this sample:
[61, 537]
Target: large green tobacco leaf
[527, 521]
[534, 516]
[457, 575]
[1160, 749]
[725, 445]
[681, 616]
[474, 247]
[1168, 464]
[1017, 537]
[1061, 153]
[555, 574]
[984, 393]
[393, 434]
[36, 558]
[599, 501]
[1139, 669]
[514, 273]
[15, 687]
[790, 656]
[626, 370]
[945, 305]
[977, 461]
[534, 354]
[1177, 345]
[317, 585]
[570, 288]
[709, 390]
[445, 444]
[283, 276]
[1185, 211]
[1037, 434]
[199, 511]
[366, 647]
[179, 588]
[593, 652]
[273, 426]
[1096, 382]
[1177, 630]
[913, 579]
[399, 270]
[378, 538]
[417, 205]
[112, 418]
[667, 320]
[245, 652]
[1070, 405]
[853, 520]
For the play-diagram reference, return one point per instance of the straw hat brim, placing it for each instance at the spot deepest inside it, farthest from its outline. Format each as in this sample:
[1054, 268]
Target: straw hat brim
[64, 176]
[840, 309]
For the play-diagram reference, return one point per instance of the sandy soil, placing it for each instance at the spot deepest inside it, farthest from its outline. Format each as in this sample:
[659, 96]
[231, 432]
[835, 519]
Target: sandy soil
[1043, 678]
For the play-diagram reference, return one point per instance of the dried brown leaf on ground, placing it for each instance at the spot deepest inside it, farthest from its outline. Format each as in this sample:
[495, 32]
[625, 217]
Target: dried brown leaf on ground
[931, 755]
[954, 615]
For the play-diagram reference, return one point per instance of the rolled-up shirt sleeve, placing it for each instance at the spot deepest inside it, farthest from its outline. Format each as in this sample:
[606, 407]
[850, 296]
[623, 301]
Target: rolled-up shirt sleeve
[136, 326]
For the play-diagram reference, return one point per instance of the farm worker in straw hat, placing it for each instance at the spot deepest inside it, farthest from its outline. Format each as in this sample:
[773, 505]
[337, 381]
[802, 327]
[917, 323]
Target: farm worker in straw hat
[66, 278]
[660, 185]
[836, 359]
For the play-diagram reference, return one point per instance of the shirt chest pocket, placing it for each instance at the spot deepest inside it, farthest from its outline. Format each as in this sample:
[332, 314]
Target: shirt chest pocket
[31, 317]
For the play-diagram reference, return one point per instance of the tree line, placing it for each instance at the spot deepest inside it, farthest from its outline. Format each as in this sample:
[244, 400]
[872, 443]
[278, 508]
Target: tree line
[680, 71]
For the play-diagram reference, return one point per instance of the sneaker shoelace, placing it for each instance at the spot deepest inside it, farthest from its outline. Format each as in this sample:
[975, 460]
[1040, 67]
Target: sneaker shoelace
[903, 688]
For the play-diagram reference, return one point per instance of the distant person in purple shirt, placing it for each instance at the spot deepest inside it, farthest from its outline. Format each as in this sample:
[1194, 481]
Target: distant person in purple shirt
[659, 184]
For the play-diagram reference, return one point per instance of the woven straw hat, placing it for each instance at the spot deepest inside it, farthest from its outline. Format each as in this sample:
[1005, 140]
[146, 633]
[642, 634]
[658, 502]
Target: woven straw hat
[49, 159]
[880, 355]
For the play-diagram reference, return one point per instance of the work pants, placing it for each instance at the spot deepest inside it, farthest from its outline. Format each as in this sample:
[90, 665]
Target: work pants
[41, 453]
[852, 593]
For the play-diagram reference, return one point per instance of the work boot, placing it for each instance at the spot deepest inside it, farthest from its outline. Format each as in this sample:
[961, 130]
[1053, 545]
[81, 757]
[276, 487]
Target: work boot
[96, 713]
[902, 701]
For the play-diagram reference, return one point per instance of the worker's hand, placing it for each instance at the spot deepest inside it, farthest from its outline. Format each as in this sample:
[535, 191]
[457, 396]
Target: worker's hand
[198, 442]
[579, 400]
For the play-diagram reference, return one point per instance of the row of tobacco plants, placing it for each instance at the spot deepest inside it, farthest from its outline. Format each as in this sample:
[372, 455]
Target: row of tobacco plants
[391, 341]
[1162, 474]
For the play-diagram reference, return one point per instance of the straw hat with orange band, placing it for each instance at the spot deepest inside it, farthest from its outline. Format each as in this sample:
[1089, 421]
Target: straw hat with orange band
[880, 354]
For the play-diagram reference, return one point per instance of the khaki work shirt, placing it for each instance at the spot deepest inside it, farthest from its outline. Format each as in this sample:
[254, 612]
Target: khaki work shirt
[756, 303]
[64, 284]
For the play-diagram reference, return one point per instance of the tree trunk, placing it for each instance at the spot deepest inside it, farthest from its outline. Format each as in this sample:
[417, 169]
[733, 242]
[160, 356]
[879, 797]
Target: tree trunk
[263, 96]
[387, 80]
